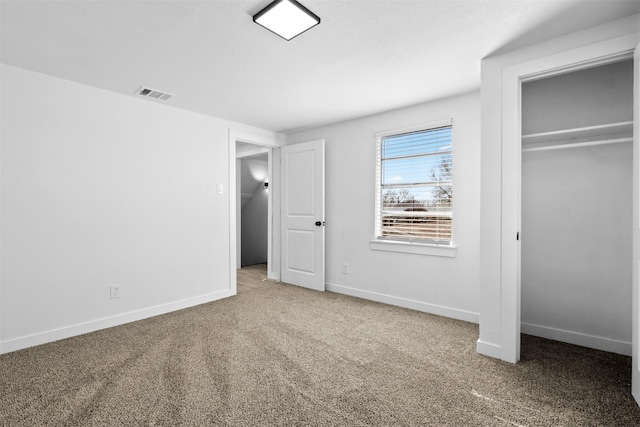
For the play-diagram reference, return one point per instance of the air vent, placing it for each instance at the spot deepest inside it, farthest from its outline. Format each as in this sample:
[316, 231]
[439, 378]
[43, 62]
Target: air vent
[152, 93]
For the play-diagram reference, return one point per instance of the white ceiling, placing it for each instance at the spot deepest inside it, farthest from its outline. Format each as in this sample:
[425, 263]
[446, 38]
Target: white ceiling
[365, 57]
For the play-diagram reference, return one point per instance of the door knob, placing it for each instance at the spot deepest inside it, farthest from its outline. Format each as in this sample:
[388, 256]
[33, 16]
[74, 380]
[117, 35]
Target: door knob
[319, 223]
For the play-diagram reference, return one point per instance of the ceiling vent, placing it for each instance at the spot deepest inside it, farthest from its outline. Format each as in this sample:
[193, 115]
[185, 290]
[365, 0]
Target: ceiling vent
[152, 93]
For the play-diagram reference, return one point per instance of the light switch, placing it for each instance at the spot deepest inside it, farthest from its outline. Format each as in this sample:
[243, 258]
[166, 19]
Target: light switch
[220, 189]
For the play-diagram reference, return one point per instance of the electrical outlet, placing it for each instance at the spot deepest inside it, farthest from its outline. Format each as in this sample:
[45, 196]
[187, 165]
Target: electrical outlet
[115, 291]
[345, 268]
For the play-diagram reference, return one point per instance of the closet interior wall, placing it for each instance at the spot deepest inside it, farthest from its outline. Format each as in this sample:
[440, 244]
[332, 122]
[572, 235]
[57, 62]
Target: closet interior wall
[254, 209]
[576, 210]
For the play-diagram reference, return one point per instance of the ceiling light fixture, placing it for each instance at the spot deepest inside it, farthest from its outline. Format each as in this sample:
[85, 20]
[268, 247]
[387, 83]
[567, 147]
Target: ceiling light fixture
[286, 18]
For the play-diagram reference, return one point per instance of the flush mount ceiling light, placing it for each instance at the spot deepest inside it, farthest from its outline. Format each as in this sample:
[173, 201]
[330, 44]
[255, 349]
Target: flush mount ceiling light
[286, 18]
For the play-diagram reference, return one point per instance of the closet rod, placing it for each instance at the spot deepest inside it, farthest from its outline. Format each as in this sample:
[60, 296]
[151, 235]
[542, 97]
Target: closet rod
[578, 144]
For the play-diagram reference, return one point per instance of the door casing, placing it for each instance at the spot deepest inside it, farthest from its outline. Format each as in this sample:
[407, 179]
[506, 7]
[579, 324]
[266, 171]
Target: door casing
[500, 281]
[500, 274]
[273, 208]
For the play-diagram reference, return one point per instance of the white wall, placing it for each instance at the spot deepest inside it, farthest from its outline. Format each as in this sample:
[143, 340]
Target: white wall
[100, 188]
[446, 286]
[593, 96]
[576, 212]
[576, 245]
[499, 285]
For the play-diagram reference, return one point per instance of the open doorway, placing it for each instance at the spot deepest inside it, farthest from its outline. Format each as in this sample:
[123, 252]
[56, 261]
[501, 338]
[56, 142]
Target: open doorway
[247, 145]
[253, 189]
[576, 206]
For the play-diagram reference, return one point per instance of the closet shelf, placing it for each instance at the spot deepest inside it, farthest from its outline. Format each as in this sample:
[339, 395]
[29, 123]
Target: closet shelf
[539, 147]
[580, 136]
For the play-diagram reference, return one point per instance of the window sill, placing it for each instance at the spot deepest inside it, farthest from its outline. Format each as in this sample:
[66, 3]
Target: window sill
[448, 251]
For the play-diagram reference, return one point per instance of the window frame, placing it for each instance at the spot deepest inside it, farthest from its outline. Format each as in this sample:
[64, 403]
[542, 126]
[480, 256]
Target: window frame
[418, 245]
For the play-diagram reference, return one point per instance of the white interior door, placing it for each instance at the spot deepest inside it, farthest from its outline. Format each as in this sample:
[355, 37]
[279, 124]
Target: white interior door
[302, 214]
[635, 362]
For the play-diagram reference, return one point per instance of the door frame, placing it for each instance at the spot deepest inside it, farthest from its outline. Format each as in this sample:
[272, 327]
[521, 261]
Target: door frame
[635, 345]
[512, 78]
[273, 244]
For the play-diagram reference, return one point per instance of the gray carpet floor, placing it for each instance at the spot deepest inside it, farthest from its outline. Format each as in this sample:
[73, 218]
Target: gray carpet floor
[279, 355]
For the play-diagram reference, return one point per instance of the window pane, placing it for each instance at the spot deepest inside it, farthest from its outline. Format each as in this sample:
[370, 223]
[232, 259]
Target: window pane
[418, 198]
[417, 212]
[417, 143]
[415, 183]
[416, 170]
[431, 226]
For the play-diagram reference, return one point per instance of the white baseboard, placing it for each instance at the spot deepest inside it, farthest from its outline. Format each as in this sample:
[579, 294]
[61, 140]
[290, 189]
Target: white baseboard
[493, 350]
[275, 276]
[108, 322]
[584, 340]
[406, 303]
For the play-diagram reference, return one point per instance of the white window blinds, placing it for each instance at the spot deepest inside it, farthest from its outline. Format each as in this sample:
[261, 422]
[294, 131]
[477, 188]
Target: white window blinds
[414, 184]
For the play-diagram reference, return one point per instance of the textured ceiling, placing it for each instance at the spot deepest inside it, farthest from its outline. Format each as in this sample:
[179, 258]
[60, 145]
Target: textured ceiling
[365, 57]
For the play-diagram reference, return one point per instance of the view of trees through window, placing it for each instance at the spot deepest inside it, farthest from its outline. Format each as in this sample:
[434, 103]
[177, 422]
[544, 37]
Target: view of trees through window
[416, 185]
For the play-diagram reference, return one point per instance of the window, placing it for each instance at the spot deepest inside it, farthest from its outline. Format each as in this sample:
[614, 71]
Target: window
[414, 184]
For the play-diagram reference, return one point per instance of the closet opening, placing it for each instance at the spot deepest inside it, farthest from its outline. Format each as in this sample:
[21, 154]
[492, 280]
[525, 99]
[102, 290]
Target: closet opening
[576, 207]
